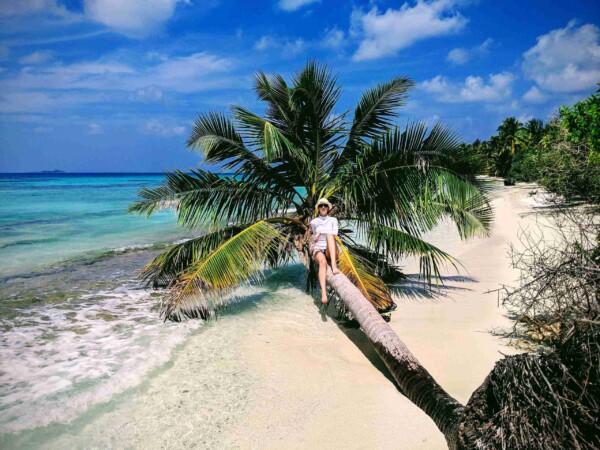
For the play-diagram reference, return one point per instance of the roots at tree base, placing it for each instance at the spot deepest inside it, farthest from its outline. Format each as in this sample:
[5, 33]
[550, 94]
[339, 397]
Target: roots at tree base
[548, 401]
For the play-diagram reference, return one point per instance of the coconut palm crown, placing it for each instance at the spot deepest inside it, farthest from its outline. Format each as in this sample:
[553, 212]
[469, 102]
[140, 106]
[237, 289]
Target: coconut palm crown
[389, 186]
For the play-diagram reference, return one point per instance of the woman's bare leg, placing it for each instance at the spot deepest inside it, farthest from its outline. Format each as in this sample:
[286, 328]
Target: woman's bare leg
[332, 253]
[322, 262]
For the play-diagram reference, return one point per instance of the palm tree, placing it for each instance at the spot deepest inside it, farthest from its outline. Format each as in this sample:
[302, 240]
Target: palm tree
[535, 130]
[390, 185]
[512, 134]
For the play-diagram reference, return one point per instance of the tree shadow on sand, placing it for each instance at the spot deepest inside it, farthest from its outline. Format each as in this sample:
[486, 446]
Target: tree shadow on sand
[412, 288]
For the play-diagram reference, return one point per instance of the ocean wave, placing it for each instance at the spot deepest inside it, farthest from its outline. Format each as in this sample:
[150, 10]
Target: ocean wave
[65, 360]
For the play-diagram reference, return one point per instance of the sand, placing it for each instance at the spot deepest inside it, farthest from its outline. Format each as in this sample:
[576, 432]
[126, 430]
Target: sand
[326, 392]
[277, 374]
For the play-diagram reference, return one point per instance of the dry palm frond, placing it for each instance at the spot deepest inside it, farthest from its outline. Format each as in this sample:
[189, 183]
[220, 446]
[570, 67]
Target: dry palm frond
[362, 274]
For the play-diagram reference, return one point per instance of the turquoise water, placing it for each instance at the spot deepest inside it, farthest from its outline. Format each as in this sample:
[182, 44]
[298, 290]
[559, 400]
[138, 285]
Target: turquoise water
[48, 218]
[76, 327]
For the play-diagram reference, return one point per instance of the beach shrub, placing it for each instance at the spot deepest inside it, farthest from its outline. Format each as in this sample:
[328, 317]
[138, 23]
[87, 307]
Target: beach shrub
[566, 167]
[582, 121]
[525, 165]
[562, 155]
[550, 397]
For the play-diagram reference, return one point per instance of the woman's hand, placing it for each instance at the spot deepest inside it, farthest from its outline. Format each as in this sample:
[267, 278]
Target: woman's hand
[316, 238]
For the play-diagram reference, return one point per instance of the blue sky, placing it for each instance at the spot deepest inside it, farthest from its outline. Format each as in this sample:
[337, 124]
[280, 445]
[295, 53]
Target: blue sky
[113, 85]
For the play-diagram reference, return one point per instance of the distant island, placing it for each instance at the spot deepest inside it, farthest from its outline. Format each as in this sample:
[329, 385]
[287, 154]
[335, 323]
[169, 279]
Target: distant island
[52, 171]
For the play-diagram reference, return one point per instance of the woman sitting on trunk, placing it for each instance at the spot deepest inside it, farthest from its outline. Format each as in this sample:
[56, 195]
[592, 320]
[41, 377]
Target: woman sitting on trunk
[324, 228]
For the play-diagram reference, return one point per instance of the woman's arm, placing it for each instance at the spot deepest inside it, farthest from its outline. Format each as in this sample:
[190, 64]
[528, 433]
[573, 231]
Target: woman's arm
[313, 229]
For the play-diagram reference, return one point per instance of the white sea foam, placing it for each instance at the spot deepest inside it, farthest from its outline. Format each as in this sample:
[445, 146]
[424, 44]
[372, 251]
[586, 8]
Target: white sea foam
[58, 360]
[131, 247]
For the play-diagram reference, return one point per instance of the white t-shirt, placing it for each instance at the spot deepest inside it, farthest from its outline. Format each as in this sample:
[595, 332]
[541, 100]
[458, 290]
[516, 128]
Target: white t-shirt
[324, 225]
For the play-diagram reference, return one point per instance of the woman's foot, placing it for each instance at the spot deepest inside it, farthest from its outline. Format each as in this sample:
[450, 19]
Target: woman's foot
[335, 270]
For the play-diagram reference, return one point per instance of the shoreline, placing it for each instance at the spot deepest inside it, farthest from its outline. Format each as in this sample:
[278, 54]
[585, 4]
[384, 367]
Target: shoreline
[275, 373]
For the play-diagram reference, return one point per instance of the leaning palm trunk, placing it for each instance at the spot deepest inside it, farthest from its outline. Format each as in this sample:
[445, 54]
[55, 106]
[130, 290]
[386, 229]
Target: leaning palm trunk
[414, 380]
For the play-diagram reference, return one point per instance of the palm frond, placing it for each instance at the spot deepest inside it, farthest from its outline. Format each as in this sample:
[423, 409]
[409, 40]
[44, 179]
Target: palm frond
[363, 275]
[275, 91]
[394, 244]
[467, 205]
[398, 181]
[374, 115]
[383, 268]
[204, 198]
[377, 109]
[216, 137]
[219, 141]
[163, 269]
[241, 257]
[291, 160]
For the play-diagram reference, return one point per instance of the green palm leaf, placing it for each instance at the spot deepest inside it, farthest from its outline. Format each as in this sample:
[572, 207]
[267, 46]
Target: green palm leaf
[216, 137]
[291, 159]
[465, 202]
[377, 108]
[163, 269]
[239, 258]
[203, 198]
[394, 244]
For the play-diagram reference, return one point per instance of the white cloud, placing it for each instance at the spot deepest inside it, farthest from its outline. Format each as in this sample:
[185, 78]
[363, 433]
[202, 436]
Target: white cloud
[10, 8]
[463, 55]
[334, 38]
[566, 59]
[294, 5]
[38, 57]
[387, 33]
[473, 89]
[94, 128]
[534, 95]
[159, 128]
[40, 102]
[437, 85]
[458, 56]
[188, 73]
[184, 74]
[148, 94]
[499, 88]
[288, 47]
[265, 43]
[134, 18]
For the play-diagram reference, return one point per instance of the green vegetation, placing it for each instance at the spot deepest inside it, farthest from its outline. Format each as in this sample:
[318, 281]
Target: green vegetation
[563, 155]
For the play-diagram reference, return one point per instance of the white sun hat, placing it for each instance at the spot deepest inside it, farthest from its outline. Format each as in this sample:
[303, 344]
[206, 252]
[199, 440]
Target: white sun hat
[324, 201]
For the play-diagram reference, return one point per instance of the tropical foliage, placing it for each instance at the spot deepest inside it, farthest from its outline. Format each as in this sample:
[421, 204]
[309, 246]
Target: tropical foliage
[390, 185]
[563, 155]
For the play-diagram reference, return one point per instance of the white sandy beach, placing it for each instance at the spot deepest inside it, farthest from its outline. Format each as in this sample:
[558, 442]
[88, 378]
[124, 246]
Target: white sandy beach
[275, 373]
